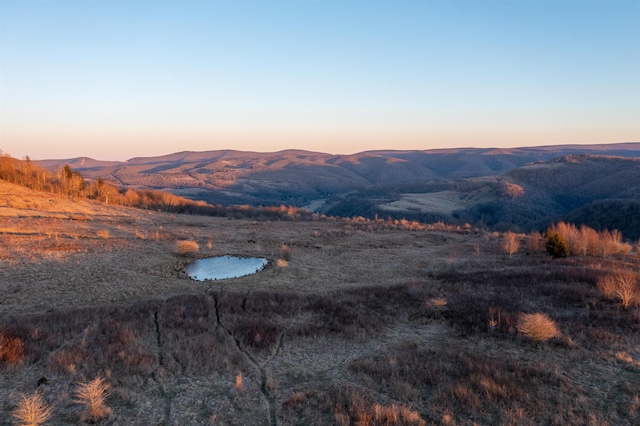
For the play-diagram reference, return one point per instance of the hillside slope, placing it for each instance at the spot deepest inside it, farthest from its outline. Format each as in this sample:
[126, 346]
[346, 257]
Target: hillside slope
[599, 191]
[298, 177]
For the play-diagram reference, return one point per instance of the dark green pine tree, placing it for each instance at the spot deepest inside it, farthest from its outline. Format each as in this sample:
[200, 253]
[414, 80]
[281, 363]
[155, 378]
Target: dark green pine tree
[556, 246]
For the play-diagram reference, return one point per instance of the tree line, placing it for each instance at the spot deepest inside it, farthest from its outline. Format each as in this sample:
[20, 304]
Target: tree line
[67, 182]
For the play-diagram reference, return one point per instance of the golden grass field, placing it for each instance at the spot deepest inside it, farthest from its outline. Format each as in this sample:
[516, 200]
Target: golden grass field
[350, 323]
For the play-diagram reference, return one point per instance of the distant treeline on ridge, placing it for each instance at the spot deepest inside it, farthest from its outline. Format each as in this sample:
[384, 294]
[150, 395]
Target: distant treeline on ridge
[66, 182]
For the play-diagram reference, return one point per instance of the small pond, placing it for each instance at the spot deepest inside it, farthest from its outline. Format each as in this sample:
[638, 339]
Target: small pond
[223, 267]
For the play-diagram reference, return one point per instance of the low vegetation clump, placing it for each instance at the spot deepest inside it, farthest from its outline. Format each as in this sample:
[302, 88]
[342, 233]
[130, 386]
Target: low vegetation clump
[186, 247]
[92, 396]
[585, 241]
[32, 410]
[622, 286]
[537, 326]
[510, 243]
[11, 349]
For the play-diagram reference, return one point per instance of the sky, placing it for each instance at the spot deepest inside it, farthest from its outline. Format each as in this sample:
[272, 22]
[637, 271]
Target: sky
[116, 79]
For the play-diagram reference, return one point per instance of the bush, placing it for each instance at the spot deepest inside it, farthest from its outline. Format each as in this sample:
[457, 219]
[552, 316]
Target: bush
[186, 247]
[556, 246]
[11, 349]
[510, 243]
[32, 410]
[538, 326]
[623, 286]
[92, 396]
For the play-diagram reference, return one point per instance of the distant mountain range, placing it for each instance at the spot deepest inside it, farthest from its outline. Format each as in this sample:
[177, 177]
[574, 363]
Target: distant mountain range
[518, 187]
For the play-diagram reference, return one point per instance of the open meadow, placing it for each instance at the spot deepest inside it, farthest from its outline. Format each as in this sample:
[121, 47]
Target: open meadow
[352, 322]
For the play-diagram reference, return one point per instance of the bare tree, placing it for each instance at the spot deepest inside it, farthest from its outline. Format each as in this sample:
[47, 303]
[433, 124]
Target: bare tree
[510, 243]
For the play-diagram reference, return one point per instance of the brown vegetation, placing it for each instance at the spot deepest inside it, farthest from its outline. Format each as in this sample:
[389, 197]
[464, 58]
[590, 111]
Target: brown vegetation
[538, 326]
[586, 241]
[622, 286]
[11, 349]
[373, 321]
[32, 410]
[510, 243]
[91, 395]
[186, 247]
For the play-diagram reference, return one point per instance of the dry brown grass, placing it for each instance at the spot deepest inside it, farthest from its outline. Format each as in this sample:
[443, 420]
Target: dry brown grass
[11, 349]
[357, 307]
[537, 326]
[32, 410]
[103, 233]
[186, 247]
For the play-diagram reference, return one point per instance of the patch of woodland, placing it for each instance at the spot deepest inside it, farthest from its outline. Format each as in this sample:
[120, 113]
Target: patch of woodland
[610, 214]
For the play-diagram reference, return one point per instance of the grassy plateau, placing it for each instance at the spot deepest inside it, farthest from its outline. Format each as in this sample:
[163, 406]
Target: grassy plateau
[352, 322]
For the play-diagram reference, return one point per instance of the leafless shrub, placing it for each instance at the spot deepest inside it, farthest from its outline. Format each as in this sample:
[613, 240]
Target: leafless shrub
[538, 326]
[32, 410]
[623, 286]
[186, 247]
[103, 233]
[510, 243]
[92, 396]
[11, 349]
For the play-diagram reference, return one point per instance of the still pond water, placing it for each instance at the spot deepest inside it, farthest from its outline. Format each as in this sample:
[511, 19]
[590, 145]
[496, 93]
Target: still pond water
[223, 267]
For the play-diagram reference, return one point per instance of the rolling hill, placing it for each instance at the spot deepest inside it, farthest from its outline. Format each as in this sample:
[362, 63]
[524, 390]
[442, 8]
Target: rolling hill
[298, 177]
[599, 191]
[519, 188]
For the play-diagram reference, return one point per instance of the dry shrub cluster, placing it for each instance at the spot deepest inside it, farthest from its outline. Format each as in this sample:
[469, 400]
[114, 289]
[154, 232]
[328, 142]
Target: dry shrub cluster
[92, 396]
[32, 410]
[11, 349]
[510, 243]
[349, 405]
[622, 286]
[585, 241]
[103, 233]
[186, 247]
[537, 326]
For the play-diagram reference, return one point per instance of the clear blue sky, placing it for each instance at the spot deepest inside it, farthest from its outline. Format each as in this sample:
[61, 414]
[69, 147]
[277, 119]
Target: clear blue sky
[117, 79]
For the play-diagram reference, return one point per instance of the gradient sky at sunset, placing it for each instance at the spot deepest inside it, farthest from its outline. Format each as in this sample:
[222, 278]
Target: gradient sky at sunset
[117, 79]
